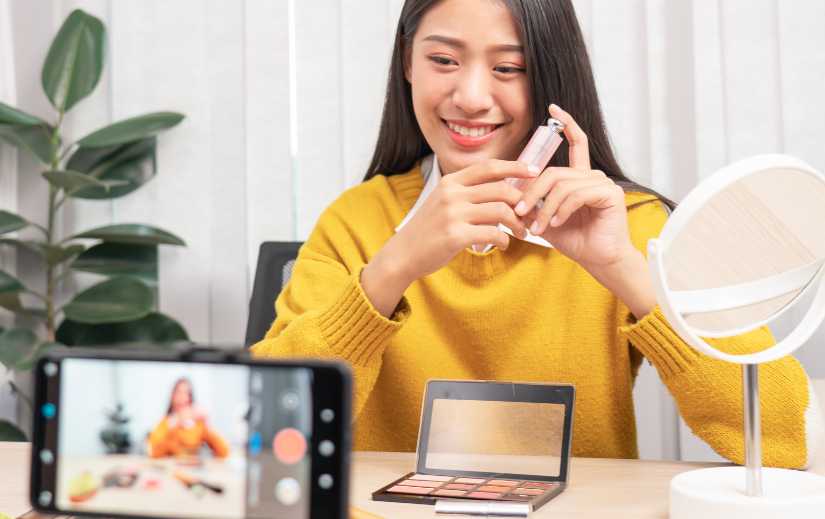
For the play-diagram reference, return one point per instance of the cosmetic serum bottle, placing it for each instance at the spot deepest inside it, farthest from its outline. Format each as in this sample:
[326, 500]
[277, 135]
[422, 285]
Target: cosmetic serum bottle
[538, 151]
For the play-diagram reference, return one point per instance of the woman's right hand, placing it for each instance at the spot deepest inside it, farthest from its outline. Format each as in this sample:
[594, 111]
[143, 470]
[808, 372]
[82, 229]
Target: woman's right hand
[463, 210]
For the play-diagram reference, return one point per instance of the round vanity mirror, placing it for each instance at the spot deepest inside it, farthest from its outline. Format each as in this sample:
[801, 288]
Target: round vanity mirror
[740, 250]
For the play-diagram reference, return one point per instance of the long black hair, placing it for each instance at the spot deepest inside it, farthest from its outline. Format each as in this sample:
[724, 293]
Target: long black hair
[558, 71]
[175, 387]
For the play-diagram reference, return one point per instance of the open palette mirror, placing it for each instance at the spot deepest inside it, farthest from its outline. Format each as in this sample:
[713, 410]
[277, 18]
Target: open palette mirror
[497, 441]
[737, 252]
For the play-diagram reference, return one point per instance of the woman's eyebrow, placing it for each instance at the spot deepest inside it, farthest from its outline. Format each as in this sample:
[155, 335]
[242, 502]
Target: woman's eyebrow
[460, 44]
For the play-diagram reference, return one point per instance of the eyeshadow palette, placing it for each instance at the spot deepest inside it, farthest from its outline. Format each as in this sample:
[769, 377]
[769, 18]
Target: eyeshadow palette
[427, 489]
[488, 440]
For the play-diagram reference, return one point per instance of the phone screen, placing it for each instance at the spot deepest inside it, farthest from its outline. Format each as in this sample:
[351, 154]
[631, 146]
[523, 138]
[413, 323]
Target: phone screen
[180, 439]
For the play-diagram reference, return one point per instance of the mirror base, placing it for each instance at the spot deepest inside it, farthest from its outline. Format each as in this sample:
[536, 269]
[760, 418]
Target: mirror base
[719, 493]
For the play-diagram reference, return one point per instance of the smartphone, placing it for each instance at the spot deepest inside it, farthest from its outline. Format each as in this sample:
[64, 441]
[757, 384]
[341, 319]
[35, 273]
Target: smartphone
[204, 434]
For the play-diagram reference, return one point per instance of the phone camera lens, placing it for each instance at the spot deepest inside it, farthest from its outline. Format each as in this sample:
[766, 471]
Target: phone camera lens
[45, 498]
[50, 369]
[46, 457]
[326, 448]
[327, 415]
[325, 481]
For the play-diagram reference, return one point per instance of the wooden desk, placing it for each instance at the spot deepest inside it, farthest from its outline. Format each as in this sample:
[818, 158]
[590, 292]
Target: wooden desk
[600, 488]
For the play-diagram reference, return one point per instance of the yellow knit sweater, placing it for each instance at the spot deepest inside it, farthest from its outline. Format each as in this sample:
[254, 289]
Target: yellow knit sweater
[524, 314]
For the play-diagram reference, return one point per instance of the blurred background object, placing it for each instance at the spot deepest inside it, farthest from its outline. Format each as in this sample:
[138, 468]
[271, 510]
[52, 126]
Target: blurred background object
[283, 100]
[109, 163]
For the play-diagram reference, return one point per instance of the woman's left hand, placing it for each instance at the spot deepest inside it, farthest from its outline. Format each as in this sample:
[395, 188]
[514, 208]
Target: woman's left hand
[584, 216]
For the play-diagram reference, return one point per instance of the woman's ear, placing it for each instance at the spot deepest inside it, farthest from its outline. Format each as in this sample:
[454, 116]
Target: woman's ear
[407, 57]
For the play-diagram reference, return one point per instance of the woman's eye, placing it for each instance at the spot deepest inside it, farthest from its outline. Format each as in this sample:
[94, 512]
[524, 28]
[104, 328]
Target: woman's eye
[442, 61]
[508, 70]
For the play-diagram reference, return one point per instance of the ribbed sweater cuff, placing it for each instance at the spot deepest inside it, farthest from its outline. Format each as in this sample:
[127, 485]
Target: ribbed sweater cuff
[353, 328]
[653, 336]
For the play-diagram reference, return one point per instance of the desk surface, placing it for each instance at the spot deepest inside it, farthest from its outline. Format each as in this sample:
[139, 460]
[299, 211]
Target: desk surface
[599, 487]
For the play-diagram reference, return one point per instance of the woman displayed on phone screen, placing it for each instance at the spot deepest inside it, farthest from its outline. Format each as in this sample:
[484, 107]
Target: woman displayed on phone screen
[184, 428]
[409, 277]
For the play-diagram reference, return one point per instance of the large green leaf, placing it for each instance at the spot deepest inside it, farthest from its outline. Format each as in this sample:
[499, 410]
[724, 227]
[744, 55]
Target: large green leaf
[28, 362]
[10, 284]
[31, 245]
[133, 163]
[126, 259]
[34, 141]
[131, 130]
[11, 301]
[137, 234]
[52, 254]
[115, 300]
[16, 345]
[154, 328]
[11, 433]
[75, 60]
[11, 115]
[68, 179]
[10, 222]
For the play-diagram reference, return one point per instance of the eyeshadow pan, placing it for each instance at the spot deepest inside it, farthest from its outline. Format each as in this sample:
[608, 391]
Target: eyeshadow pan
[474, 481]
[485, 495]
[502, 482]
[398, 489]
[413, 483]
[444, 492]
[531, 491]
[490, 488]
[426, 477]
[528, 484]
[458, 486]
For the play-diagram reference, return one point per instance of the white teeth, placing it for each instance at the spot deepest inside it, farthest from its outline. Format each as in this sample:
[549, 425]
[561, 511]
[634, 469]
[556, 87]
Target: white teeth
[478, 131]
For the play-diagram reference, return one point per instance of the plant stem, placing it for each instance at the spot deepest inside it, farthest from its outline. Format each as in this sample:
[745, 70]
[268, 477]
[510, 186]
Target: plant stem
[50, 234]
[50, 281]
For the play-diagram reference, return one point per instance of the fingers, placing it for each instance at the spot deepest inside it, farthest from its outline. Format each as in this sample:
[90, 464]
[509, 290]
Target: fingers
[547, 182]
[491, 169]
[579, 151]
[494, 213]
[564, 191]
[494, 192]
[599, 196]
[488, 234]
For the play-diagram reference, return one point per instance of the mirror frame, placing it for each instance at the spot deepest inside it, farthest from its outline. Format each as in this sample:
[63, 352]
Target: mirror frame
[658, 250]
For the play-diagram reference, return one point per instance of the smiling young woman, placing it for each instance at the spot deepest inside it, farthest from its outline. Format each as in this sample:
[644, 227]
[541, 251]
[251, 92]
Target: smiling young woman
[408, 276]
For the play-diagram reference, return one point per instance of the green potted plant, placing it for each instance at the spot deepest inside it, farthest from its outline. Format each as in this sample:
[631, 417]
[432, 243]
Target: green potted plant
[108, 163]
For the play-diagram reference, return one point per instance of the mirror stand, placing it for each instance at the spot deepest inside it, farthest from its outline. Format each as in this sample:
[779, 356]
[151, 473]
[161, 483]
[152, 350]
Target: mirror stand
[753, 430]
[739, 250]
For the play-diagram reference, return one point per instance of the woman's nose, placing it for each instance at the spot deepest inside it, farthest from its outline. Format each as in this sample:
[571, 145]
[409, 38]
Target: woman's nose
[473, 93]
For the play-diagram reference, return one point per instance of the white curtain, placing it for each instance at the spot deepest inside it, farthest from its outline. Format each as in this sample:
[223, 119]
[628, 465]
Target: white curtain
[8, 185]
[283, 98]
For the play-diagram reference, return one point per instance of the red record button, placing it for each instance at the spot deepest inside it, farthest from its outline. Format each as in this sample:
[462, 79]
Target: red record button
[289, 446]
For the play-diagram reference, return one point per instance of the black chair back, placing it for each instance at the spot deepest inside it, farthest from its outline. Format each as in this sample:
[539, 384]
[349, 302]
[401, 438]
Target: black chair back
[274, 269]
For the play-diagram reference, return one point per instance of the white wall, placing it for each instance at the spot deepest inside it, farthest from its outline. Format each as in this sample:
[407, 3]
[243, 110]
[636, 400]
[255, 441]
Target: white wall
[91, 388]
[686, 87]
